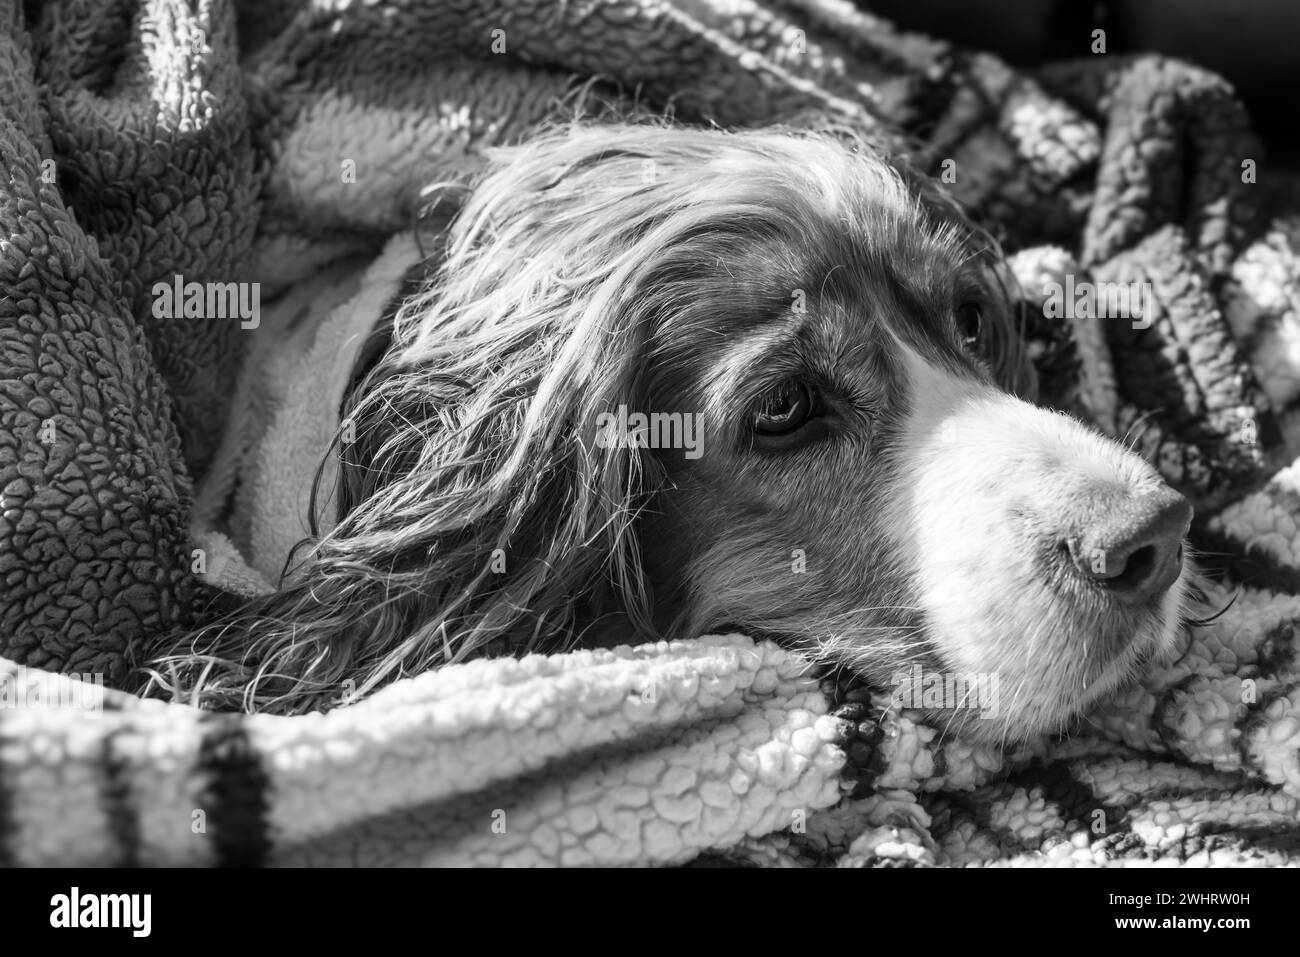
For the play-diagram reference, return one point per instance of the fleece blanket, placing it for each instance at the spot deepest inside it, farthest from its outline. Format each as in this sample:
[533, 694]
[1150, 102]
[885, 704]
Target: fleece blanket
[144, 455]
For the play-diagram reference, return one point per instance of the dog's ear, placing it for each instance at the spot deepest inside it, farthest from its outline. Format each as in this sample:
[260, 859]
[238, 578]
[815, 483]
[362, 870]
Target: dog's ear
[478, 512]
[469, 530]
[442, 203]
[1003, 344]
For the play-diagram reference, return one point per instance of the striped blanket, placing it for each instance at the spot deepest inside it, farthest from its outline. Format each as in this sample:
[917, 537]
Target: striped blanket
[262, 142]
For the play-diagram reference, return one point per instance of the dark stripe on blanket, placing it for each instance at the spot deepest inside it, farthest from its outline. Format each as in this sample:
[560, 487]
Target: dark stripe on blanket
[721, 859]
[1283, 838]
[862, 732]
[1245, 566]
[1237, 786]
[115, 796]
[236, 797]
[1077, 803]
[949, 810]
[1075, 800]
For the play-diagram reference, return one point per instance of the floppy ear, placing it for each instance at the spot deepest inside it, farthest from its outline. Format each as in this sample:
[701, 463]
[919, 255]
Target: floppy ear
[479, 515]
[432, 230]
[1003, 344]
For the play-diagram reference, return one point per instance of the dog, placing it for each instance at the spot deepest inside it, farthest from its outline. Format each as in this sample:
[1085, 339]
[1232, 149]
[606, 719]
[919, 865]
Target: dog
[665, 382]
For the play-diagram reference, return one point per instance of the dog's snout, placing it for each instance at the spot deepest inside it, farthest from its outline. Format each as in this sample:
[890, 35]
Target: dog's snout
[1133, 545]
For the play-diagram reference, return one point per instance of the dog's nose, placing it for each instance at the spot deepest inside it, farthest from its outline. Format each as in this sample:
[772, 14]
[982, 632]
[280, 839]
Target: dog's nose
[1136, 549]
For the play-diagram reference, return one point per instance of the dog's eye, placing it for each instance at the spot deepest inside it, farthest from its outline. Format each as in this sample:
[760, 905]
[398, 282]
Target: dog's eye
[784, 409]
[970, 321]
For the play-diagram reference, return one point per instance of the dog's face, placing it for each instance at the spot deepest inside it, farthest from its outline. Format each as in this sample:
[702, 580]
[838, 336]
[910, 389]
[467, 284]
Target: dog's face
[856, 482]
[667, 382]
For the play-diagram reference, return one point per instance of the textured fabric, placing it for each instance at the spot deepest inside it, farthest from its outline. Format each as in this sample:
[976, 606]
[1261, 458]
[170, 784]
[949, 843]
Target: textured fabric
[262, 142]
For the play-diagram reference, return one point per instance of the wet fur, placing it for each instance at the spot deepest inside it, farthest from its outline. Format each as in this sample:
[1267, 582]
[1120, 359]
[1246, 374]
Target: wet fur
[656, 268]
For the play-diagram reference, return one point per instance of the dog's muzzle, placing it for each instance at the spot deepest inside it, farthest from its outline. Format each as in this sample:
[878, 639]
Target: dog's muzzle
[1043, 553]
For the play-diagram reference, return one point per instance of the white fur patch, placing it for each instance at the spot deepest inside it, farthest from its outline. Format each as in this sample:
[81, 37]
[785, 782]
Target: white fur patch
[989, 487]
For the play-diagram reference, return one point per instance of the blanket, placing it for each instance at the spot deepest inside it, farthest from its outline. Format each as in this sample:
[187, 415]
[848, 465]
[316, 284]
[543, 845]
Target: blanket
[285, 144]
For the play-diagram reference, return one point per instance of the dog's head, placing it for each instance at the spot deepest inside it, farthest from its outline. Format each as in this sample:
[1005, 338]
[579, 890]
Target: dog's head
[670, 381]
